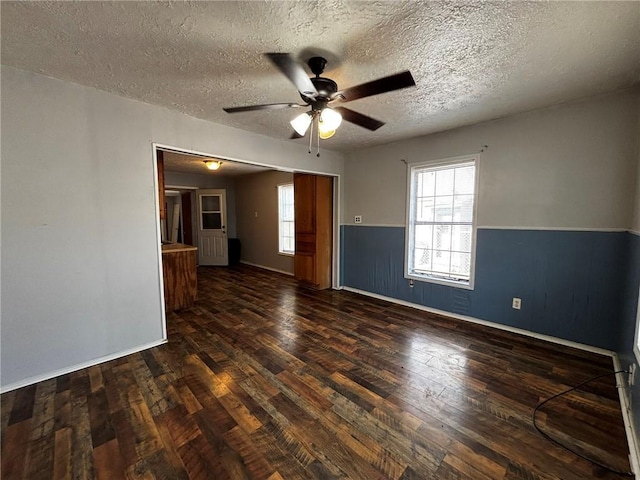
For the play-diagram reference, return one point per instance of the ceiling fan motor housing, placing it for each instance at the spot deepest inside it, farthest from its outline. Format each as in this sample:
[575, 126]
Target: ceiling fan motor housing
[324, 86]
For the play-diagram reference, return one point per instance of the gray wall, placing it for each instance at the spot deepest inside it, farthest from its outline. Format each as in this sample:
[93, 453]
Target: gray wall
[258, 194]
[81, 276]
[571, 166]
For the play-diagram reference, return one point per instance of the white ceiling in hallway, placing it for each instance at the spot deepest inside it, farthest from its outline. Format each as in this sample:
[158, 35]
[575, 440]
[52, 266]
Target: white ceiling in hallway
[472, 61]
[188, 163]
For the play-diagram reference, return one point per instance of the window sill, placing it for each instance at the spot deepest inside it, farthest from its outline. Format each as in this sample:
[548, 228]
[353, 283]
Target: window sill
[285, 254]
[441, 281]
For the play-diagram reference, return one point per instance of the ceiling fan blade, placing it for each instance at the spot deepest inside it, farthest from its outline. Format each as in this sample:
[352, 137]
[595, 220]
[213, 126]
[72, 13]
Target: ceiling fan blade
[268, 106]
[375, 87]
[359, 119]
[294, 72]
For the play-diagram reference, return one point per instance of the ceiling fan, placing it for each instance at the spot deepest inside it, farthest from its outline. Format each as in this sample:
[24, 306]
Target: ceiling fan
[321, 94]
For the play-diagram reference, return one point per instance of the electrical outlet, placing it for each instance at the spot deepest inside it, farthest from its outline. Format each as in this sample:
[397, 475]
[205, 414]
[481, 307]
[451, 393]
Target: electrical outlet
[632, 374]
[411, 283]
[357, 219]
[516, 303]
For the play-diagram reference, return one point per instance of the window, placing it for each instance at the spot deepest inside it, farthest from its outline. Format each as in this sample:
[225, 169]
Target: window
[286, 232]
[441, 234]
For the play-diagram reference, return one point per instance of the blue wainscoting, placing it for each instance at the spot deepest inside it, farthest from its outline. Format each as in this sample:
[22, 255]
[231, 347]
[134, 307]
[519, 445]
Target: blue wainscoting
[571, 283]
[628, 319]
[630, 297]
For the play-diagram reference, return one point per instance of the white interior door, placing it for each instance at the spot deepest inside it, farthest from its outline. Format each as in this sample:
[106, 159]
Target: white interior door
[212, 231]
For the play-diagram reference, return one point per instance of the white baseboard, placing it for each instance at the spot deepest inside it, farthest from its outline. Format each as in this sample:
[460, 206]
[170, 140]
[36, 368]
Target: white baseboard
[627, 417]
[74, 368]
[520, 331]
[266, 268]
[625, 404]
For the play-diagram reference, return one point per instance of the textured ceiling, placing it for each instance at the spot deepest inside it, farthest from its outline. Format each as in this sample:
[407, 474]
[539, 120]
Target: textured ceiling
[472, 61]
[183, 163]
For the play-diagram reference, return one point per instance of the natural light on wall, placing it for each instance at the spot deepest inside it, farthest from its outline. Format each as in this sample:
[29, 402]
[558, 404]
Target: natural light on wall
[440, 246]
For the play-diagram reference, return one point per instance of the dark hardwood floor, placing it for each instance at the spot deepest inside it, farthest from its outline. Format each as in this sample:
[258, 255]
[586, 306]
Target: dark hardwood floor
[267, 379]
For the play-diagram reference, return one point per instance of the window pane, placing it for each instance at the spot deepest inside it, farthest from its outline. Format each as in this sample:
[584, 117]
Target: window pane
[424, 236]
[211, 203]
[465, 179]
[288, 244]
[461, 238]
[211, 221]
[422, 260]
[444, 182]
[461, 264]
[425, 209]
[442, 237]
[444, 209]
[463, 208]
[441, 261]
[426, 184]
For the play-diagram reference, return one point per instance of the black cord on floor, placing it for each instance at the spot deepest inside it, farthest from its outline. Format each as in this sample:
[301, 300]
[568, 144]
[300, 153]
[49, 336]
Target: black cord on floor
[548, 437]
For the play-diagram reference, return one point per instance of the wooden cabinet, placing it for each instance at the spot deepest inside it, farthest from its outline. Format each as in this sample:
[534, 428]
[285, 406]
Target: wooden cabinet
[313, 196]
[179, 275]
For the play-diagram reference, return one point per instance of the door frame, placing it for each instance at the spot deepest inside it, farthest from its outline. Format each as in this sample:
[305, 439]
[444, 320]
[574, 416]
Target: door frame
[156, 208]
[337, 178]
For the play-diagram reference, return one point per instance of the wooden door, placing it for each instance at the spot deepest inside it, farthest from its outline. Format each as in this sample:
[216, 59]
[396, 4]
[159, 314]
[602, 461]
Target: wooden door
[212, 231]
[162, 206]
[304, 193]
[313, 197]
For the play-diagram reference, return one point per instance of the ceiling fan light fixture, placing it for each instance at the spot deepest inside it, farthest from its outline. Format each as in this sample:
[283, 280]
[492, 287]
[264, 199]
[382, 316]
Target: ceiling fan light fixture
[213, 164]
[301, 123]
[329, 120]
[324, 134]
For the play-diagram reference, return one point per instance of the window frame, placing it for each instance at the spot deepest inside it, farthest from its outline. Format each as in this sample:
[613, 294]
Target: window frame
[410, 202]
[280, 221]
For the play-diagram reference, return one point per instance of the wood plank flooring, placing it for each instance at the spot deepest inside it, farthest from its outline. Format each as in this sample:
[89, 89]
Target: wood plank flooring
[266, 379]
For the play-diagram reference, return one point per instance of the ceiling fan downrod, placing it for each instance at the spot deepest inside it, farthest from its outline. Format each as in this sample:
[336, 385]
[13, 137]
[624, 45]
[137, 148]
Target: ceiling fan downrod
[316, 65]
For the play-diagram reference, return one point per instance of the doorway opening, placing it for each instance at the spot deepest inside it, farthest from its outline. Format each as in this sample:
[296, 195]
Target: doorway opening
[250, 205]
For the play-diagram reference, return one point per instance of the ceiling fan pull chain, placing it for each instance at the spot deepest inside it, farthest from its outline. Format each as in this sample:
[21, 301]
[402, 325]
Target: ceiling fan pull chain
[318, 137]
[310, 136]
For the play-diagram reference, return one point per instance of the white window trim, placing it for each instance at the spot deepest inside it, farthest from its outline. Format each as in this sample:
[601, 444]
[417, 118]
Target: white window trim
[474, 226]
[280, 252]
